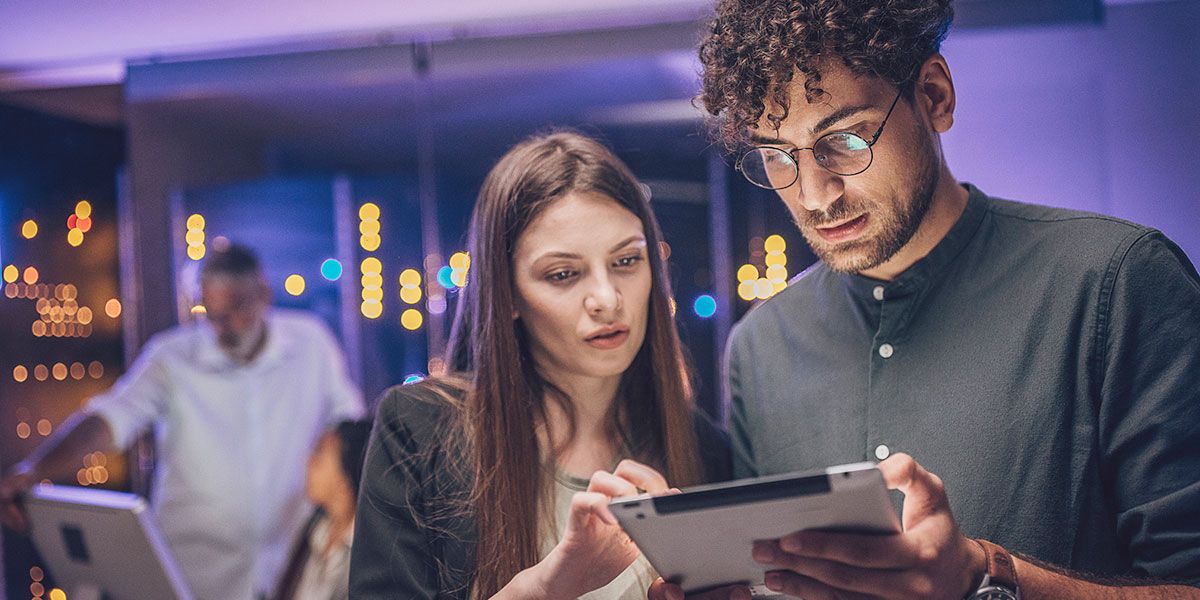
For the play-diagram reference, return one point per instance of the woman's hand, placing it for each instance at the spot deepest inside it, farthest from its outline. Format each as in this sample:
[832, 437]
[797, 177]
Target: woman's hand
[593, 549]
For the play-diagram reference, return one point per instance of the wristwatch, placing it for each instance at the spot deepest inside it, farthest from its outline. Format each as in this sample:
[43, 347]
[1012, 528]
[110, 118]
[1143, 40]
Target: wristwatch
[1000, 579]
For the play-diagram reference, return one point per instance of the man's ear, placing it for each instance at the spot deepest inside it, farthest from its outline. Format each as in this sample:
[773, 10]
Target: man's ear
[935, 93]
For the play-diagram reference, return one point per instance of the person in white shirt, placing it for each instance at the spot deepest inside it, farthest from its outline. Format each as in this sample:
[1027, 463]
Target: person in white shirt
[237, 402]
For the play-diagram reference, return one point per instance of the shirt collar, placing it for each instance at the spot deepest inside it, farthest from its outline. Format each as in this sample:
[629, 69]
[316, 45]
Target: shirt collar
[928, 267]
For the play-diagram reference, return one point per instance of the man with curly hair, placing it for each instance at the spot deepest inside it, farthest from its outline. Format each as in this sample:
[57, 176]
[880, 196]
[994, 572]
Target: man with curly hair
[1041, 361]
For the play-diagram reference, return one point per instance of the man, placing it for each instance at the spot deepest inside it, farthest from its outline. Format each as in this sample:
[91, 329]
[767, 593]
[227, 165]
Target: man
[1041, 361]
[237, 403]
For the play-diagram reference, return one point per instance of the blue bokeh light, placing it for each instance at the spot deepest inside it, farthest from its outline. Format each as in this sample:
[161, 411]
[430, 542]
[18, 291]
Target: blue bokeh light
[444, 277]
[413, 379]
[705, 306]
[331, 269]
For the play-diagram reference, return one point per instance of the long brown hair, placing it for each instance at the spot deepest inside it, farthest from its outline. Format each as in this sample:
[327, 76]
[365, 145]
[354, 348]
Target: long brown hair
[505, 405]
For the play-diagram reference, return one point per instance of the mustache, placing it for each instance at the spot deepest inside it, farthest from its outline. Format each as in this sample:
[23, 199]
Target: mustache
[840, 210]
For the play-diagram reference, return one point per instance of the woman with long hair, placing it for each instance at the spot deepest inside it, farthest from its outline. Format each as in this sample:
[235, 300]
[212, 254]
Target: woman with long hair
[564, 363]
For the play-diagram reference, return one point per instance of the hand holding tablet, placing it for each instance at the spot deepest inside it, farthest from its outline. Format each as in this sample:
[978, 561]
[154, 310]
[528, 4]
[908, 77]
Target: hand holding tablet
[703, 537]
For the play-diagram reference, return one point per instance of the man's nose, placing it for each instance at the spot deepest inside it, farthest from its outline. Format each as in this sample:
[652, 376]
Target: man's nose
[815, 187]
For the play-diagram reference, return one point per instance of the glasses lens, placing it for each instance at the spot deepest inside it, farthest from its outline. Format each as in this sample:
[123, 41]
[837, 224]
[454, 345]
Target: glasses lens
[770, 168]
[843, 153]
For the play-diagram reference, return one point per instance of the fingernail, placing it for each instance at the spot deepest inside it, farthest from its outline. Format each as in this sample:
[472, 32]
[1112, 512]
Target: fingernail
[764, 553]
[791, 544]
[773, 581]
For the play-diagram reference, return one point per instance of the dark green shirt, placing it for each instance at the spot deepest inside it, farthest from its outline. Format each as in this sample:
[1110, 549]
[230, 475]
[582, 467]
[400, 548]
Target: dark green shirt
[1043, 362]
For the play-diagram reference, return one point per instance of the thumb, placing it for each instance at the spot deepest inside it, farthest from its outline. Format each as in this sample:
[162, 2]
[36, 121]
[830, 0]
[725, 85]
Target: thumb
[924, 493]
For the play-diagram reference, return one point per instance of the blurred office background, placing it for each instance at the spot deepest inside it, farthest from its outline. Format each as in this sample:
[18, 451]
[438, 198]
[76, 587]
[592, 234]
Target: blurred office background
[346, 142]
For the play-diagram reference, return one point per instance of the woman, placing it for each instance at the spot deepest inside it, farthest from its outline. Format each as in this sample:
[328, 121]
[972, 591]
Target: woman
[476, 485]
[318, 566]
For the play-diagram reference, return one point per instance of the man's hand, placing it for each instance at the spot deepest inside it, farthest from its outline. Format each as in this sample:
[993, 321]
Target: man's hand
[929, 560]
[12, 488]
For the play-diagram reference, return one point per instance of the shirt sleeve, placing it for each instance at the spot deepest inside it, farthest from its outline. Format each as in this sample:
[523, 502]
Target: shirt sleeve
[1150, 405]
[737, 395]
[393, 554]
[345, 399]
[139, 397]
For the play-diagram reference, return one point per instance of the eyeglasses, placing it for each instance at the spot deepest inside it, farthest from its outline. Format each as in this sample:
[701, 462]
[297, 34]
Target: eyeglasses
[839, 152]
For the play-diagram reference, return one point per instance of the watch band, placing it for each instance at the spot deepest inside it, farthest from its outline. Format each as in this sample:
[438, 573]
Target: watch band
[1000, 567]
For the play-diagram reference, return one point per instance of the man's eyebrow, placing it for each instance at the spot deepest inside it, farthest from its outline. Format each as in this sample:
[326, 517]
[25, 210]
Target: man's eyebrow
[838, 115]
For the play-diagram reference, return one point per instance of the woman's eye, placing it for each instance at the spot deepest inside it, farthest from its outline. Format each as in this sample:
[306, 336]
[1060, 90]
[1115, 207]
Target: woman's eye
[558, 276]
[628, 261]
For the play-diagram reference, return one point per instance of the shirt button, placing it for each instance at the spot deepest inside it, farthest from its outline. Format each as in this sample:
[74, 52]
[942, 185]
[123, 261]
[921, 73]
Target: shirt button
[886, 350]
[878, 291]
[882, 451]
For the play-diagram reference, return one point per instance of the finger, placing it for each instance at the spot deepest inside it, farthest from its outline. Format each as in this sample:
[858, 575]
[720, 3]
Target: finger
[661, 590]
[585, 505]
[800, 586]
[642, 476]
[841, 576]
[603, 482]
[873, 550]
[924, 493]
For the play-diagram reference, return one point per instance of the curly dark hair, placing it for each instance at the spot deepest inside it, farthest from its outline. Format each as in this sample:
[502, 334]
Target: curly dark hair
[756, 47]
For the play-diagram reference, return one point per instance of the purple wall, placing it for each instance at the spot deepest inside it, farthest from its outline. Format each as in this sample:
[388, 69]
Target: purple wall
[1099, 118]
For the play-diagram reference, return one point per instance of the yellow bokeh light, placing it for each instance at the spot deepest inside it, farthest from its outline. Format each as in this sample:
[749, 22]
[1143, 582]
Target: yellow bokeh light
[368, 211]
[774, 243]
[747, 291]
[57, 594]
[779, 286]
[83, 209]
[370, 243]
[410, 295]
[294, 284]
[199, 310]
[776, 273]
[410, 277]
[84, 316]
[411, 319]
[371, 309]
[195, 252]
[747, 273]
[460, 260]
[369, 227]
[674, 307]
[30, 275]
[372, 279]
[764, 288]
[194, 237]
[776, 259]
[112, 308]
[11, 272]
[372, 294]
[29, 229]
[20, 373]
[371, 264]
[458, 277]
[195, 222]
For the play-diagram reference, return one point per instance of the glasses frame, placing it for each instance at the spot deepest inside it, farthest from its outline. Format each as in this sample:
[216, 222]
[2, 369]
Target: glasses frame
[795, 160]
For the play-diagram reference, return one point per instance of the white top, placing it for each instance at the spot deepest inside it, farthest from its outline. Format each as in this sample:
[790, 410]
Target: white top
[630, 584]
[326, 576]
[232, 443]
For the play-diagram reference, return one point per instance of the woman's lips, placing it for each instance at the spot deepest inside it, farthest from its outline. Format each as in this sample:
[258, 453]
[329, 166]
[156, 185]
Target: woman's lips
[608, 341]
[844, 232]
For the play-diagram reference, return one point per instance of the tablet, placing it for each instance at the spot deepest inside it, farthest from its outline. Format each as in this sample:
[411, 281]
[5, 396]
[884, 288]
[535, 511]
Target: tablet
[102, 544]
[703, 537]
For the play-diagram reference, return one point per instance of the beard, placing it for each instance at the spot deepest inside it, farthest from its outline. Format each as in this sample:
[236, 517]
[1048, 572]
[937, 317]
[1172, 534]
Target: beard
[894, 222]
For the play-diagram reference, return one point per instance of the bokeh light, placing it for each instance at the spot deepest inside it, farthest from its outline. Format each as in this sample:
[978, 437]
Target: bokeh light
[74, 237]
[368, 211]
[59, 371]
[20, 373]
[414, 378]
[83, 209]
[84, 316]
[443, 277]
[331, 269]
[96, 369]
[411, 319]
[195, 237]
[23, 430]
[112, 308]
[29, 229]
[705, 306]
[372, 309]
[30, 275]
[44, 427]
[57, 594]
[11, 273]
[294, 284]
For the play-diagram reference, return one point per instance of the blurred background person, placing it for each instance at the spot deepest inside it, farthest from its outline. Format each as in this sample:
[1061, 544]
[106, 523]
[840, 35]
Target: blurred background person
[567, 362]
[237, 402]
[318, 567]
